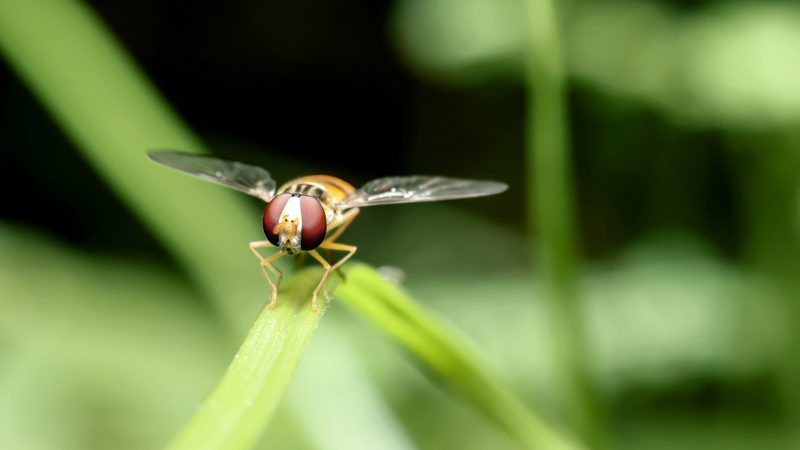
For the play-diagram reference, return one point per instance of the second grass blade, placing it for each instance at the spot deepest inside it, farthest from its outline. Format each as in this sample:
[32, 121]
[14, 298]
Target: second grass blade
[449, 355]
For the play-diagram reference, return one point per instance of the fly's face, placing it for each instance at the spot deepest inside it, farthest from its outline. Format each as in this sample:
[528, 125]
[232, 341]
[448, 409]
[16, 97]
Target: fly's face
[294, 222]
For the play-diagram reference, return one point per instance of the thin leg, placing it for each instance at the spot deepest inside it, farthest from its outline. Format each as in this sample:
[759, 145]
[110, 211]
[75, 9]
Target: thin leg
[328, 257]
[267, 267]
[329, 244]
[255, 245]
[350, 249]
[340, 227]
[321, 284]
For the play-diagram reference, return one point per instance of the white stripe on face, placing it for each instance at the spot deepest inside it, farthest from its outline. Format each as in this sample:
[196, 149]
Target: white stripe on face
[293, 212]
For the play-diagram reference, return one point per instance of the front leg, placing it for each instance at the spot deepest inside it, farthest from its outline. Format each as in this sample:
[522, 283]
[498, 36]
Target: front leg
[321, 284]
[335, 231]
[351, 249]
[267, 267]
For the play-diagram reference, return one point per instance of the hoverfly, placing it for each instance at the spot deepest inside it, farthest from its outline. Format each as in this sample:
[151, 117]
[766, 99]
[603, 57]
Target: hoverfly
[312, 212]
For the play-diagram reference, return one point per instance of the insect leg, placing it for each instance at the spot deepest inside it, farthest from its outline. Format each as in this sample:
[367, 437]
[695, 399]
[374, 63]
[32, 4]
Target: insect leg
[259, 244]
[267, 267]
[351, 249]
[321, 284]
[340, 227]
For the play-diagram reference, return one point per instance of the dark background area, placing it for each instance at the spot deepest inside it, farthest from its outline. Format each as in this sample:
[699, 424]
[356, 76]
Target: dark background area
[321, 83]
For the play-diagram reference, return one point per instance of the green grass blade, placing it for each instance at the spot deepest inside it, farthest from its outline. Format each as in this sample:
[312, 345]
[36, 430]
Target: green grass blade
[239, 408]
[448, 354]
[552, 213]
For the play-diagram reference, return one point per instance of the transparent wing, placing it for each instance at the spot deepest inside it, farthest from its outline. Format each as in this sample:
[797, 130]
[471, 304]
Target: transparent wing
[419, 188]
[252, 180]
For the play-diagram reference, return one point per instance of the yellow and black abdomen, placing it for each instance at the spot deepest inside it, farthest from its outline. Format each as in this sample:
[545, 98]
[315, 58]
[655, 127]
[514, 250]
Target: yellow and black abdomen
[329, 190]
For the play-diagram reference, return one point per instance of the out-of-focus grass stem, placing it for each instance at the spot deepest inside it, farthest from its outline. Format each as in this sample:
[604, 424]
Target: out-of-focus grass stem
[551, 214]
[448, 355]
[93, 90]
[770, 197]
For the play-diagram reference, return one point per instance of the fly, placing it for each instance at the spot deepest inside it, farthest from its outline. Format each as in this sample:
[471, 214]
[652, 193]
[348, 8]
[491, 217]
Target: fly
[311, 212]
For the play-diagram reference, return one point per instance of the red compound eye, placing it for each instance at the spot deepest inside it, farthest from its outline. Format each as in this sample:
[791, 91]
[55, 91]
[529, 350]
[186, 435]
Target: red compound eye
[272, 215]
[314, 224]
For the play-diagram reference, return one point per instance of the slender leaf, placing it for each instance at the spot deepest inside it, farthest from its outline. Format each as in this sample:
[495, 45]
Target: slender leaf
[236, 413]
[448, 354]
[552, 211]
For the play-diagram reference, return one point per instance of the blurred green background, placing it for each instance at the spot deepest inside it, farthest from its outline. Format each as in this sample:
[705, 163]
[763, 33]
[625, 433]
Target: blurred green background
[685, 144]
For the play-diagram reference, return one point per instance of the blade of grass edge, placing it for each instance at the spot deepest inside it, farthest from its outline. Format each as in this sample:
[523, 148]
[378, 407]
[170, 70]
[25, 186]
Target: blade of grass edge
[552, 213]
[450, 355]
[235, 414]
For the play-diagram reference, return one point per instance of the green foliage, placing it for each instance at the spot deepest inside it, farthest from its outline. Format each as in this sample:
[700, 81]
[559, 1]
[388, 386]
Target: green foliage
[552, 214]
[687, 340]
[729, 65]
[448, 354]
[235, 414]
